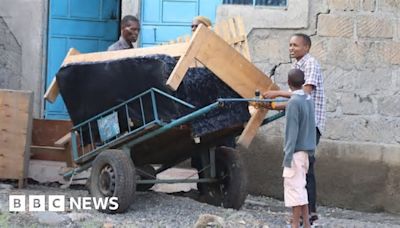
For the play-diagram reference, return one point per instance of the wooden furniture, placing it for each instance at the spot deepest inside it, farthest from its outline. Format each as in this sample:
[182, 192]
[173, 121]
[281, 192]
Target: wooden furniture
[74, 56]
[232, 31]
[231, 67]
[225, 53]
[16, 109]
[48, 141]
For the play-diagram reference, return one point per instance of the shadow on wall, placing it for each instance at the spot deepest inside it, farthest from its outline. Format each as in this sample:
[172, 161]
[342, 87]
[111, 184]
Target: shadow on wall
[10, 59]
[361, 176]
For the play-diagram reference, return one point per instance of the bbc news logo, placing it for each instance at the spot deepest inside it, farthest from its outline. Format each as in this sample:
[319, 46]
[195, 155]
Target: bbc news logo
[18, 203]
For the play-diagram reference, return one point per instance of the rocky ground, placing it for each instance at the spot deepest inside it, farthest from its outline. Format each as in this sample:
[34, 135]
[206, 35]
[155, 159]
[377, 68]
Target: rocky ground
[161, 209]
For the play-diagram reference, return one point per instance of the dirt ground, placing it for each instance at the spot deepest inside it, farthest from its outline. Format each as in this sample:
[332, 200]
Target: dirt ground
[161, 207]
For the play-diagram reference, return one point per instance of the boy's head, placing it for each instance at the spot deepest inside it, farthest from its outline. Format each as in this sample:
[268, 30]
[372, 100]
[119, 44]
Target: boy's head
[295, 79]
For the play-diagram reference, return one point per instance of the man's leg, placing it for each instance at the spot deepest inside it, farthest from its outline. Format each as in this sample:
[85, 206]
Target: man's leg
[318, 134]
[311, 183]
[311, 187]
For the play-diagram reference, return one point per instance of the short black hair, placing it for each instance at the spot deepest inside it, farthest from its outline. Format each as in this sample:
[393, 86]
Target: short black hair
[296, 78]
[127, 19]
[306, 38]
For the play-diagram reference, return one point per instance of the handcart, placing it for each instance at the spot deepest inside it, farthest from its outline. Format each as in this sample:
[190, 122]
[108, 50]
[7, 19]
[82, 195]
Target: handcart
[127, 150]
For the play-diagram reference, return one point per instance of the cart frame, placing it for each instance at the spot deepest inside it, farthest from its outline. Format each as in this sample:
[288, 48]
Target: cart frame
[127, 140]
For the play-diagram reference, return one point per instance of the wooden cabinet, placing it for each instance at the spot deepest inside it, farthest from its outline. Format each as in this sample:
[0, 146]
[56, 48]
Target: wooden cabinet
[16, 108]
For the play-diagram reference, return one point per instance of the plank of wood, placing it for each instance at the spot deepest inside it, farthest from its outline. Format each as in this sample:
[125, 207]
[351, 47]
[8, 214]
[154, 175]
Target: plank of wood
[48, 153]
[63, 140]
[53, 153]
[232, 28]
[53, 90]
[218, 30]
[242, 32]
[230, 66]
[226, 35]
[187, 59]
[174, 50]
[233, 35]
[16, 108]
[68, 155]
[251, 128]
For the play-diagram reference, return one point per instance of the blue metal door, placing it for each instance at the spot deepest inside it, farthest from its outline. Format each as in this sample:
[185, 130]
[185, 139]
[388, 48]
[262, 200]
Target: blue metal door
[88, 26]
[165, 20]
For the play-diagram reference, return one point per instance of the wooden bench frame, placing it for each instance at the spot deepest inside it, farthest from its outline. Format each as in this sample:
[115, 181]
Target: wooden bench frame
[231, 30]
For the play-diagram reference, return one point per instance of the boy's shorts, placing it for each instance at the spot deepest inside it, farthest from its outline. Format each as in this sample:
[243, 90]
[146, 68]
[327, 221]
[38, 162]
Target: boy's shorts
[294, 180]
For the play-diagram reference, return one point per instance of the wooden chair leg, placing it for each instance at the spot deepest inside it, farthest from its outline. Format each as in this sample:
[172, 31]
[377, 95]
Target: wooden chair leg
[21, 183]
[68, 155]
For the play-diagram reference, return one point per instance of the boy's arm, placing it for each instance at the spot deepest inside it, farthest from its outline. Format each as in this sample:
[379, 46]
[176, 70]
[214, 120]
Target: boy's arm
[291, 132]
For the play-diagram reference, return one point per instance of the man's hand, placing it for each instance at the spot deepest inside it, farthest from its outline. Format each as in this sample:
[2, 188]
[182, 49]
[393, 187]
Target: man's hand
[271, 94]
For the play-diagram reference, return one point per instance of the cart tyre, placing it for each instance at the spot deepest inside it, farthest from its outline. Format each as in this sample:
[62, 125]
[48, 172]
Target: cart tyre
[231, 190]
[113, 175]
[148, 169]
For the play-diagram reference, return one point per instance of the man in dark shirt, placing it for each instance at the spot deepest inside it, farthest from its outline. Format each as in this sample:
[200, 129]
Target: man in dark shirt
[130, 28]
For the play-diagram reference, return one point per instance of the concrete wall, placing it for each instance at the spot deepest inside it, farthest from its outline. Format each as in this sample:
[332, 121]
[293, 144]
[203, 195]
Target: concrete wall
[23, 22]
[131, 7]
[10, 58]
[357, 43]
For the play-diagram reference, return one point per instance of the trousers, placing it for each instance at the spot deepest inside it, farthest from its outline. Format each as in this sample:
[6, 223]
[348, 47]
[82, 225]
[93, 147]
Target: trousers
[310, 179]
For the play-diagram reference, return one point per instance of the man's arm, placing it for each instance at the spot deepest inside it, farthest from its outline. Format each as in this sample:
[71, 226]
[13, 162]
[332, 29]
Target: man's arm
[311, 73]
[271, 94]
[308, 88]
[274, 94]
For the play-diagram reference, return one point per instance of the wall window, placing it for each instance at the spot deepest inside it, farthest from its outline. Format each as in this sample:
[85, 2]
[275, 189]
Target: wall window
[257, 2]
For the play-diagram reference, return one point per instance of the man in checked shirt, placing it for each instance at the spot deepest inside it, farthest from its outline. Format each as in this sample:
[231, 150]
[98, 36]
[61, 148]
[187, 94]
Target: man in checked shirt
[299, 47]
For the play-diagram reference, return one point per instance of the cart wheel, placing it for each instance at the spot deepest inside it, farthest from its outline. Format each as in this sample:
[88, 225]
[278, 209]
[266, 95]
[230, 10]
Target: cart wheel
[231, 189]
[113, 175]
[145, 172]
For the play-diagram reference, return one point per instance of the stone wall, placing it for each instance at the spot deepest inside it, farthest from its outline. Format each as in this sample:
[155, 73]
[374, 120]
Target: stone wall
[357, 43]
[10, 59]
